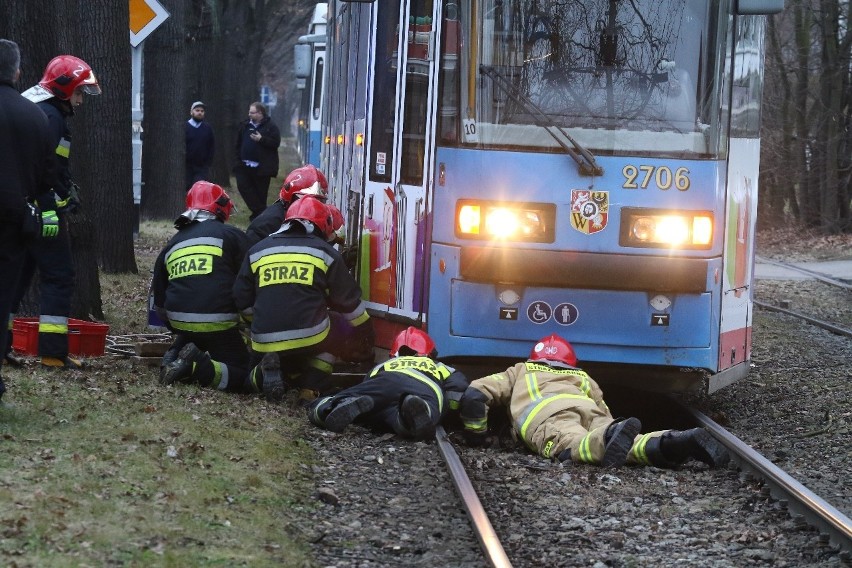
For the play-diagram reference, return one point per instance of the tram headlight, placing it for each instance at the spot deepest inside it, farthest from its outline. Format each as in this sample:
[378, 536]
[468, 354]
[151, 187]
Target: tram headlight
[666, 229]
[528, 222]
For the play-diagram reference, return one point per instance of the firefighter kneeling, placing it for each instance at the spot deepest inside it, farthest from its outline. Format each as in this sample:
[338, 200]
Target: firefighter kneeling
[193, 277]
[304, 305]
[559, 412]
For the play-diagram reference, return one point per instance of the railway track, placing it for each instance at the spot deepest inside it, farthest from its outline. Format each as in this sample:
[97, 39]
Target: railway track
[396, 502]
[784, 308]
[802, 504]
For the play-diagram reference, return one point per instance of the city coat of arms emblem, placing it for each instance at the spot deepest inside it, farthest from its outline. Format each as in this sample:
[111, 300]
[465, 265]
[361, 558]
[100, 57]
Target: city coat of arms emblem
[589, 210]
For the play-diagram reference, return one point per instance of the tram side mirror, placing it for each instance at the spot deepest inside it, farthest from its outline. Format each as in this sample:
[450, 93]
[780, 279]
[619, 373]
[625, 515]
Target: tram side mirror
[302, 60]
[757, 7]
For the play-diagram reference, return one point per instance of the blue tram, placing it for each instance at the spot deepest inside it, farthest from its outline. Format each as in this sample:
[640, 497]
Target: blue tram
[309, 63]
[513, 168]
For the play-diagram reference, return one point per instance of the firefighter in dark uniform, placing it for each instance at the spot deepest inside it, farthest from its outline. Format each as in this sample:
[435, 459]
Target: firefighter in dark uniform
[304, 306]
[558, 411]
[306, 180]
[26, 170]
[65, 81]
[408, 394]
[193, 278]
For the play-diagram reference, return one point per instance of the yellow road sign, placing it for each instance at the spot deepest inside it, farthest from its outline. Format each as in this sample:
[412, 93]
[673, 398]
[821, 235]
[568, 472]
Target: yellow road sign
[145, 17]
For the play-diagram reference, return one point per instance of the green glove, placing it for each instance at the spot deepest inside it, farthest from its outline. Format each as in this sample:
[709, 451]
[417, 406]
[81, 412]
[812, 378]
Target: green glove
[49, 224]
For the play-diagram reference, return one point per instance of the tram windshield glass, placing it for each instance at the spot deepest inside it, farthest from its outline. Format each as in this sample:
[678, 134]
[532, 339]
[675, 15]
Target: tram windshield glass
[637, 76]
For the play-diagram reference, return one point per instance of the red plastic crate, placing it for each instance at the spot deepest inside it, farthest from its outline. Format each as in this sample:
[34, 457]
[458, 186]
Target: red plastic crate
[84, 337]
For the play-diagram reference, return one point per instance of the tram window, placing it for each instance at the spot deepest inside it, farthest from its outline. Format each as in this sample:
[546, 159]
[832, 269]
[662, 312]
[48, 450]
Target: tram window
[318, 87]
[413, 149]
[748, 78]
[451, 44]
[591, 66]
[384, 92]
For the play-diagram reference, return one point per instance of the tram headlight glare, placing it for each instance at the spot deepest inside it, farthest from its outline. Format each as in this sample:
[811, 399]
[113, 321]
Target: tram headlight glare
[672, 230]
[501, 223]
[666, 229]
[702, 230]
[505, 221]
[469, 219]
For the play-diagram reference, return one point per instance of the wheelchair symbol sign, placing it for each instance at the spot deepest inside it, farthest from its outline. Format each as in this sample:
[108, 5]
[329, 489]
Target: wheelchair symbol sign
[539, 312]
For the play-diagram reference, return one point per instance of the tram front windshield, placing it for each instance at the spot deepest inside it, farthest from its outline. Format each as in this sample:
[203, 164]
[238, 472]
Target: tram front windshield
[620, 76]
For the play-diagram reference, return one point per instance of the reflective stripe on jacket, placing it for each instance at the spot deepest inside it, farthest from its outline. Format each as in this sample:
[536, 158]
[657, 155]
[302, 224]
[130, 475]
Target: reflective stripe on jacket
[532, 392]
[194, 276]
[289, 281]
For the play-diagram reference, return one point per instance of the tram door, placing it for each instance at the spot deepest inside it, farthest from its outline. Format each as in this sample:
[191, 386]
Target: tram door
[400, 156]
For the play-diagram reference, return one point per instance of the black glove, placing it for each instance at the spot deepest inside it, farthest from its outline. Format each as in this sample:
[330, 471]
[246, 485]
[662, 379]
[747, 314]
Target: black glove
[72, 202]
[31, 223]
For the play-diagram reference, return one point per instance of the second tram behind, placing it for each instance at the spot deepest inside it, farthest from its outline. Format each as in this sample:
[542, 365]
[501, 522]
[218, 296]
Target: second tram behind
[514, 168]
[309, 63]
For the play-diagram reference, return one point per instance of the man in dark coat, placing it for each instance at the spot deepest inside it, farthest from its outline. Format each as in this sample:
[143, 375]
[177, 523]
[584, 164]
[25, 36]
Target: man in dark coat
[26, 171]
[200, 145]
[257, 158]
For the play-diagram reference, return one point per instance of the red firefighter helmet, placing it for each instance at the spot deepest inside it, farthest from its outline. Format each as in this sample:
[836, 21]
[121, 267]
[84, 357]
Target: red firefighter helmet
[312, 209]
[337, 221]
[65, 73]
[209, 197]
[307, 180]
[554, 348]
[415, 339]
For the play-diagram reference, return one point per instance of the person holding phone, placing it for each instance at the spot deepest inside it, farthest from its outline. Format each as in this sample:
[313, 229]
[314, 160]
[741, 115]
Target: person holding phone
[257, 158]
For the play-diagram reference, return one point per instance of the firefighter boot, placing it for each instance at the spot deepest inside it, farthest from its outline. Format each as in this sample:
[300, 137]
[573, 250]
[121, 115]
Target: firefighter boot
[181, 368]
[416, 416]
[13, 360]
[168, 358]
[619, 439]
[678, 446]
[347, 411]
[273, 384]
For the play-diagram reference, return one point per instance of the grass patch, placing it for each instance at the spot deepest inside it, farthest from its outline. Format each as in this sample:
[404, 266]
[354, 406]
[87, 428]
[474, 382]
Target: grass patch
[105, 467]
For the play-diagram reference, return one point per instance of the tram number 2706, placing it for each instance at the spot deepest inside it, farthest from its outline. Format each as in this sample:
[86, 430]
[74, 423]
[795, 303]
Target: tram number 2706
[640, 177]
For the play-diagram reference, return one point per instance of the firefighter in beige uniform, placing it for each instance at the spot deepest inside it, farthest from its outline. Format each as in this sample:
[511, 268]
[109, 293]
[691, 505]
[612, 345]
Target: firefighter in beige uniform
[558, 411]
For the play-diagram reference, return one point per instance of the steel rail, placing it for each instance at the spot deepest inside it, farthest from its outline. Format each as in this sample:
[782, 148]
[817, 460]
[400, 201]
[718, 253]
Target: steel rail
[798, 498]
[488, 540]
[819, 323]
[816, 275]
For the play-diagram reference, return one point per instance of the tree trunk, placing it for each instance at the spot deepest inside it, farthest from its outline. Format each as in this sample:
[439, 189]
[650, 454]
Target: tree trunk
[103, 162]
[805, 197]
[163, 142]
[58, 24]
[828, 132]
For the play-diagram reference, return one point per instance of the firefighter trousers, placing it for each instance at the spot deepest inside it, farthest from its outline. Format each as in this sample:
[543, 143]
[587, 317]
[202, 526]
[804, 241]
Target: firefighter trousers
[52, 258]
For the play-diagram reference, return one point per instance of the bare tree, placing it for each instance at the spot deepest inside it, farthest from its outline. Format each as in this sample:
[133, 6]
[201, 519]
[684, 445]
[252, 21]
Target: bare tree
[806, 156]
[100, 159]
[164, 114]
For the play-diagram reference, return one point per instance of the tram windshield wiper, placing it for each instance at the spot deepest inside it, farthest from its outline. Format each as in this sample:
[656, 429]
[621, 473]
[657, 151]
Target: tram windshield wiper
[585, 159]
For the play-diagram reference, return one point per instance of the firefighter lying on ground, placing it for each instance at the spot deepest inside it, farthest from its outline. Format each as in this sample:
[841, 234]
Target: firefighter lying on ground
[558, 411]
[408, 394]
[193, 278]
[304, 305]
